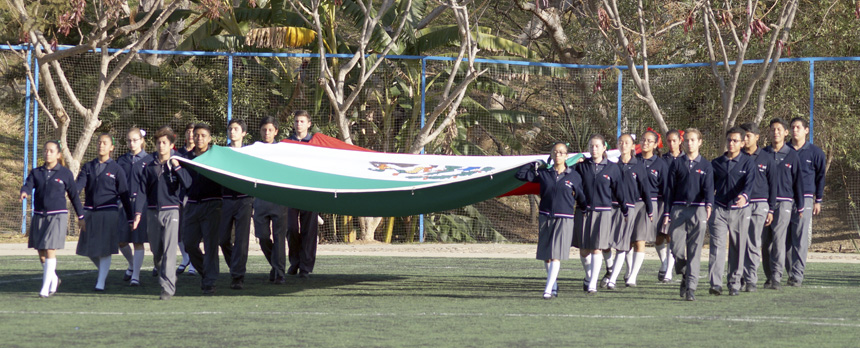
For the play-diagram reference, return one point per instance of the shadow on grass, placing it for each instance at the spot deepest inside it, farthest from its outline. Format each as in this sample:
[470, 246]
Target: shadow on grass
[82, 282]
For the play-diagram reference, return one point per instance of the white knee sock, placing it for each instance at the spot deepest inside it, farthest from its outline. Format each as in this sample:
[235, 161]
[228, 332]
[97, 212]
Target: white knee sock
[629, 262]
[552, 276]
[137, 263]
[607, 256]
[596, 263]
[48, 274]
[126, 252]
[662, 249]
[670, 265]
[616, 267]
[104, 267]
[586, 265]
[638, 258]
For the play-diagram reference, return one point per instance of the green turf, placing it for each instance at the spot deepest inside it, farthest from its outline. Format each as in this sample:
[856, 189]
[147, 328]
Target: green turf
[389, 301]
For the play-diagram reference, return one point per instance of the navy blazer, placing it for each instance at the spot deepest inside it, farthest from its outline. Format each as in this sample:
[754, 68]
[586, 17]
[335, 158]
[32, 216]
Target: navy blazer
[734, 182]
[50, 195]
[788, 175]
[602, 188]
[813, 163]
[103, 190]
[202, 189]
[558, 192]
[133, 170]
[764, 181]
[161, 185]
[689, 186]
[636, 186]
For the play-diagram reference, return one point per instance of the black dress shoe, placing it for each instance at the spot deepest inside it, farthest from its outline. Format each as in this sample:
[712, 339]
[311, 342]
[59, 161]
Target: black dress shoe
[237, 284]
[734, 292]
[775, 285]
[683, 287]
[165, 296]
[691, 296]
[304, 275]
[209, 290]
[715, 290]
[279, 281]
[293, 270]
[127, 275]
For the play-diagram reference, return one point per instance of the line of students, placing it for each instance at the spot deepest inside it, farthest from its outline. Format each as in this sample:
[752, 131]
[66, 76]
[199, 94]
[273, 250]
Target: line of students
[753, 201]
[150, 198]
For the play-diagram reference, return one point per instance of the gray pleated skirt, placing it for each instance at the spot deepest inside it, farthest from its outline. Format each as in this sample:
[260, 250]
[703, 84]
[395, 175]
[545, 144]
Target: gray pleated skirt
[643, 228]
[126, 235]
[554, 238]
[48, 231]
[622, 230]
[597, 230]
[101, 237]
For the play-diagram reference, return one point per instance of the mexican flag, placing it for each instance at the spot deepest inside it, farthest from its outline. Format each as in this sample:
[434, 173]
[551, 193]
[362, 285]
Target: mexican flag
[330, 176]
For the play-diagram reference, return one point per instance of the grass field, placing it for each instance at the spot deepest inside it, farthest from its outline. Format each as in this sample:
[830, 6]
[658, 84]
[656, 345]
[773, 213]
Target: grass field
[354, 301]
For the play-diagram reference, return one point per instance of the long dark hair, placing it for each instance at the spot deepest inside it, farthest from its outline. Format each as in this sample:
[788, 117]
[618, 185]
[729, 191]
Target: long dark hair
[656, 139]
[60, 160]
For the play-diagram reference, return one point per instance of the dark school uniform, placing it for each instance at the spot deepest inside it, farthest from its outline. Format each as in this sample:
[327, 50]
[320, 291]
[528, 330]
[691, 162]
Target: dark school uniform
[656, 170]
[762, 203]
[270, 227]
[636, 188]
[813, 164]
[133, 166]
[234, 230]
[105, 185]
[789, 197]
[161, 186]
[558, 195]
[689, 191]
[200, 218]
[302, 232]
[732, 178]
[664, 209]
[50, 221]
[601, 185]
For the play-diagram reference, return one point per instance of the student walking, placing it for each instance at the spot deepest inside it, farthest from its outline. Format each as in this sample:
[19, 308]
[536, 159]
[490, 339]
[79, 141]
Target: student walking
[49, 186]
[559, 187]
[690, 193]
[132, 163]
[762, 204]
[234, 229]
[104, 184]
[813, 165]
[302, 225]
[674, 138]
[270, 219]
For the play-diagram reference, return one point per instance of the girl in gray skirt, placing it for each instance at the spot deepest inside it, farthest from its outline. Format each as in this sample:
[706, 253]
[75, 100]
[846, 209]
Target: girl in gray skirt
[104, 184]
[559, 186]
[50, 184]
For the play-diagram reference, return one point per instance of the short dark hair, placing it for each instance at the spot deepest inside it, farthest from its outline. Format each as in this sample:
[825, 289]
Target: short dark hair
[675, 132]
[801, 120]
[779, 120]
[750, 127]
[597, 136]
[736, 130]
[240, 122]
[269, 120]
[190, 125]
[109, 137]
[203, 126]
[166, 131]
[304, 113]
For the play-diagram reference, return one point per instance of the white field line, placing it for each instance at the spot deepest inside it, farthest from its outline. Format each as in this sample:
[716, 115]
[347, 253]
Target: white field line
[40, 277]
[837, 322]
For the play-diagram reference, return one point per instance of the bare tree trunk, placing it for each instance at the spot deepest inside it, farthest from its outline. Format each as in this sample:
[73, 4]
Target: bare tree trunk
[550, 22]
[368, 226]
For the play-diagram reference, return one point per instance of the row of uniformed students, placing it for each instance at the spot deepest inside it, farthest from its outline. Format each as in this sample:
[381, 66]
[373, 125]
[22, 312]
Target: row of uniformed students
[754, 202]
[150, 198]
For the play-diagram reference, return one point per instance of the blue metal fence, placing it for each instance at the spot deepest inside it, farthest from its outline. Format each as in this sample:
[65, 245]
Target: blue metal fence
[32, 109]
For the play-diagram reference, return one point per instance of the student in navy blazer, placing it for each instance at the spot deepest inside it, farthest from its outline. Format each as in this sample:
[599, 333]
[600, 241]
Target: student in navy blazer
[690, 193]
[560, 186]
[49, 186]
[813, 165]
[762, 204]
[104, 185]
[601, 185]
[734, 173]
[789, 198]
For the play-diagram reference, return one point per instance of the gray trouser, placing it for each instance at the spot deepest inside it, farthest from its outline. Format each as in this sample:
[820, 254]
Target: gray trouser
[797, 243]
[163, 232]
[752, 257]
[236, 212]
[687, 229]
[270, 222]
[200, 222]
[732, 224]
[773, 242]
